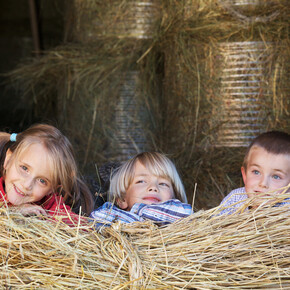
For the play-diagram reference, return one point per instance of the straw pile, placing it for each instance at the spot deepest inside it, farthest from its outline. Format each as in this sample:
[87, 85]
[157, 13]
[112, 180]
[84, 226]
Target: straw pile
[182, 81]
[204, 251]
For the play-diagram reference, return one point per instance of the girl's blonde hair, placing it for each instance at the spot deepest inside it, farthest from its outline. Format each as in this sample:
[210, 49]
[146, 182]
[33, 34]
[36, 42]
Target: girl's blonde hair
[157, 164]
[64, 173]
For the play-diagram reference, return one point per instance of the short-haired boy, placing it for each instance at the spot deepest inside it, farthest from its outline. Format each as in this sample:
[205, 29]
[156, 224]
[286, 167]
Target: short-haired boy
[266, 168]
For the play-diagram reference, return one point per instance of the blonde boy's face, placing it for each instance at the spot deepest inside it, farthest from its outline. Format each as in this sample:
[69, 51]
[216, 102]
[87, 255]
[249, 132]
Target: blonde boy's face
[265, 171]
[146, 188]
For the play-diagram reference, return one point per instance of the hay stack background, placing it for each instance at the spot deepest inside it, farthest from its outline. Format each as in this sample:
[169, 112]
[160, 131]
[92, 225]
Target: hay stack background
[246, 251]
[180, 57]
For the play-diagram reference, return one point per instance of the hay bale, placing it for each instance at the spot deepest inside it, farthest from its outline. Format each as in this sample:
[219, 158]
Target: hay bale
[183, 80]
[204, 251]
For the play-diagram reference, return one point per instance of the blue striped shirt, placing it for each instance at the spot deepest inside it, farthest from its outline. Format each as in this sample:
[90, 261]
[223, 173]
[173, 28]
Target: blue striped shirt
[161, 213]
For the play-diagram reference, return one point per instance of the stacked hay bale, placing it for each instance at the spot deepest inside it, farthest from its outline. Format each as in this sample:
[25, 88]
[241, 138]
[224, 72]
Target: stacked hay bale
[129, 27]
[178, 74]
[226, 70]
[204, 251]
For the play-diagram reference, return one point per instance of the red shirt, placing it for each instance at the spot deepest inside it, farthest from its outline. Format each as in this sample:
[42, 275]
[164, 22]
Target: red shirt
[54, 205]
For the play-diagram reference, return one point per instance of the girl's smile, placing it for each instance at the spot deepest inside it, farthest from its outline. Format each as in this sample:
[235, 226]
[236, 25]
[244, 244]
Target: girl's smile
[28, 178]
[18, 191]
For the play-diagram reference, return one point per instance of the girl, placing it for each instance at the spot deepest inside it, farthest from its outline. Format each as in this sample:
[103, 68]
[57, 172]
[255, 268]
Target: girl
[39, 174]
[145, 187]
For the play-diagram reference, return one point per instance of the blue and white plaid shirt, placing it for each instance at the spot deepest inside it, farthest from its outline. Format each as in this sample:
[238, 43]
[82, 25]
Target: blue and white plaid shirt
[237, 198]
[233, 201]
[161, 213]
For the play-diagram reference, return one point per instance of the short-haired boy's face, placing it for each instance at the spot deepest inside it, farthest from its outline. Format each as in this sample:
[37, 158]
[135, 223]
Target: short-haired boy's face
[146, 188]
[265, 171]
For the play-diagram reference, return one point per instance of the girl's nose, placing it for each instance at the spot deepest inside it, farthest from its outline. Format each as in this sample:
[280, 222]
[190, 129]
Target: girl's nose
[28, 183]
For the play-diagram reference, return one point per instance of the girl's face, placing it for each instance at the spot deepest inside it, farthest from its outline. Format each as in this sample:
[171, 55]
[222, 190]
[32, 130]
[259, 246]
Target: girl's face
[146, 188]
[28, 180]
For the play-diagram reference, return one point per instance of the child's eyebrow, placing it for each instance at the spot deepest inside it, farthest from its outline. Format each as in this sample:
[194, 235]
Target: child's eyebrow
[141, 174]
[148, 174]
[254, 164]
[280, 170]
[20, 161]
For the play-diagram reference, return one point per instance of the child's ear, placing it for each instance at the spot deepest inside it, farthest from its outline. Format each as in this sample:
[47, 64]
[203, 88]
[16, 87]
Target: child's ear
[243, 170]
[7, 158]
[122, 203]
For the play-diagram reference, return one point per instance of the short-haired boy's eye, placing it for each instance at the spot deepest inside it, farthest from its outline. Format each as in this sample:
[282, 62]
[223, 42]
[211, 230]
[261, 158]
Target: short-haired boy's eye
[256, 172]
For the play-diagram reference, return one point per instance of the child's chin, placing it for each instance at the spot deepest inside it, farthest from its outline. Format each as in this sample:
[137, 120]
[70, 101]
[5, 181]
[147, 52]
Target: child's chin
[15, 201]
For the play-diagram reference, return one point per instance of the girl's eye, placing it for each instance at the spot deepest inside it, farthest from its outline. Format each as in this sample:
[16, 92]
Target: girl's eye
[42, 181]
[23, 167]
[276, 177]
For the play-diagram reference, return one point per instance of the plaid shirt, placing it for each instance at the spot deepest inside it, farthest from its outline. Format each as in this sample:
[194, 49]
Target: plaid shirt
[161, 213]
[236, 198]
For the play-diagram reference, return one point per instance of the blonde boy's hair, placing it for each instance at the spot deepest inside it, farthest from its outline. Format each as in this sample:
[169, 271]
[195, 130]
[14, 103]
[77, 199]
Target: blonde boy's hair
[157, 164]
[274, 142]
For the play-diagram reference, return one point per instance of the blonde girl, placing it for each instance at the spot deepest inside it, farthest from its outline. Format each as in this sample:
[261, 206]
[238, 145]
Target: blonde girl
[39, 174]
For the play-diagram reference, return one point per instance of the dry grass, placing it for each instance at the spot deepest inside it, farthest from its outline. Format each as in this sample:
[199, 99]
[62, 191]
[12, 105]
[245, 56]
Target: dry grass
[181, 69]
[204, 251]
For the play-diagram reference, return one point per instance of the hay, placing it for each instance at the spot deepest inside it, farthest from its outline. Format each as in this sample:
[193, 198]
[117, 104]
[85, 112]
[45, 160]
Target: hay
[196, 102]
[180, 66]
[204, 251]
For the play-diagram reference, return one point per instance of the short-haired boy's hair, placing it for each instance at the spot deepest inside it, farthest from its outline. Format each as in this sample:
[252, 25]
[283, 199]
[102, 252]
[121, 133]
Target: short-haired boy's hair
[275, 142]
[157, 164]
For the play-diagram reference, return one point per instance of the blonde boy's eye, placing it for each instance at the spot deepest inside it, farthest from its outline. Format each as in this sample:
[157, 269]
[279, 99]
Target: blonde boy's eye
[276, 177]
[164, 184]
[140, 181]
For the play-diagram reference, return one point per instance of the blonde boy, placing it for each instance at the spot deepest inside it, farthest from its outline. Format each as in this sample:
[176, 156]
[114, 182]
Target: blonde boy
[146, 187]
[266, 168]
